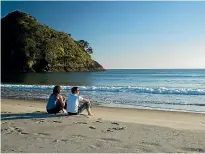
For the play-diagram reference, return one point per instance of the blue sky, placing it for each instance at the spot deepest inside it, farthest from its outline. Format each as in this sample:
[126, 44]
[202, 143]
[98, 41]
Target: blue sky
[128, 34]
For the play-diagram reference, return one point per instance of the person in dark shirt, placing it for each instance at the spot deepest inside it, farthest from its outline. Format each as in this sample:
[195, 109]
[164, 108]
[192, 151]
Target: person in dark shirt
[56, 102]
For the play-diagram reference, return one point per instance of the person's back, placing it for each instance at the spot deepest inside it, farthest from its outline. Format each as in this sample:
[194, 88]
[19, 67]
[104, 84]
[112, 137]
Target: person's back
[73, 103]
[56, 102]
[51, 102]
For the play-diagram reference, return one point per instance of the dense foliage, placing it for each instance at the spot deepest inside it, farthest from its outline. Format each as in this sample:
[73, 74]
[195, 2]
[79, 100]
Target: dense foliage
[28, 45]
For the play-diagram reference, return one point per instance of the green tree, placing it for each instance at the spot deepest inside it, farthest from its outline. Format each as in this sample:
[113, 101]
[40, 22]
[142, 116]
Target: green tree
[86, 46]
[28, 45]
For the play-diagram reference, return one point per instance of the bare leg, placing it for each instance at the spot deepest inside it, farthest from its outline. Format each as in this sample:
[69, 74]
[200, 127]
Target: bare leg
[62, 102]
[62, 108]
[89, 111]
[86, 106]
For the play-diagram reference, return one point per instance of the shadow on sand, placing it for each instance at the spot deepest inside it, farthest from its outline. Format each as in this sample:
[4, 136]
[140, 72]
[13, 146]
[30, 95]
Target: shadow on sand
[33, 115]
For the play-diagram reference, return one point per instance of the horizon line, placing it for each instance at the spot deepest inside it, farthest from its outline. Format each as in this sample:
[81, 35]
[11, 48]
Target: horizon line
[152, 68]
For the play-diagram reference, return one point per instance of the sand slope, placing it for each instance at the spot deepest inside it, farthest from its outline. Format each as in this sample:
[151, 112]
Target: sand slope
[25, 127]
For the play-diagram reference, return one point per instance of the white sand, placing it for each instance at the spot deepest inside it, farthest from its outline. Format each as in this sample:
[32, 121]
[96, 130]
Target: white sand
[27, 128]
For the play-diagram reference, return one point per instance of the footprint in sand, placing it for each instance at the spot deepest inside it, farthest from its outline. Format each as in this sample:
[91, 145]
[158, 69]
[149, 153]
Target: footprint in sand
[92, 127]
[56, 140]
[55, 121]
[19, 130]
[109, 130]
[46, 134]
[6, 130]
[115, 123]
[39, 122]
[80, 123]
[79, 136]
[52, 121]
[16, 129]
[40, 135]
[118, 128]
[64, 140]
[42, 120]
[24, 133]
[150, 143]
[115, 128]
[98, 121]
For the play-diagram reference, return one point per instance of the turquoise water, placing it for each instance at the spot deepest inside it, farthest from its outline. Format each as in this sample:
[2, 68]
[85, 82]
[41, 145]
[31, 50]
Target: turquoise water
[164, 89]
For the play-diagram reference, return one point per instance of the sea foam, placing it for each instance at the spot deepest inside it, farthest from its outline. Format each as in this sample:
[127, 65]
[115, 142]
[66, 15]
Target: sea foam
[124, 89]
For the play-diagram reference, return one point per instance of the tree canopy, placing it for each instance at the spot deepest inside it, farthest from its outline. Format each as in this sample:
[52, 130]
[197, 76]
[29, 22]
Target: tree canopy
[28, 45]
[86, 46]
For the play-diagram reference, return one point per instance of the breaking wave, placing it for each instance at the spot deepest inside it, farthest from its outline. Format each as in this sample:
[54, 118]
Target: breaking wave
[125, 89]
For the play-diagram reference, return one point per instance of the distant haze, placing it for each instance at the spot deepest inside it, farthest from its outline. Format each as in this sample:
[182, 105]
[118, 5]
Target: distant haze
[128, 34]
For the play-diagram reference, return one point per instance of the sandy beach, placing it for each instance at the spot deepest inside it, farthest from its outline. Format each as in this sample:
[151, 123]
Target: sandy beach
[25, 127]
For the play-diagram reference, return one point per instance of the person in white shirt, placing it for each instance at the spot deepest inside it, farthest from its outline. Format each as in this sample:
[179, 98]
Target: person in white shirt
[73, 103]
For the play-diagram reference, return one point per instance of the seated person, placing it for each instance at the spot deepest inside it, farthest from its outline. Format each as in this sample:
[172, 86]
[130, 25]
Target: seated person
[56, 102]
[73, 100]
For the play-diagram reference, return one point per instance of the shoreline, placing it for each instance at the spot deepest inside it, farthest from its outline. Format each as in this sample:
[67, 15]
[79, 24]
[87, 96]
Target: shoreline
[114, 107]
[131, 115]
[26, 127]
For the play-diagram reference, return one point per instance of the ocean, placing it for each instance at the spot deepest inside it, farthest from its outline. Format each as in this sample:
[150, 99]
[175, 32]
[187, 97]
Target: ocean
[161, 89]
